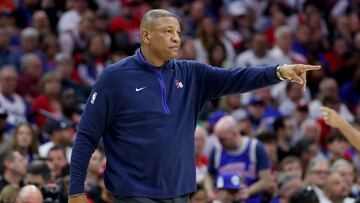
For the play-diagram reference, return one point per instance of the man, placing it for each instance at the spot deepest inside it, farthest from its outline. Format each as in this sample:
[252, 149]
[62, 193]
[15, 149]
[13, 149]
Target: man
[57, 162]
[316, 175]
[61, 134]
[336, 190]
[29, 194]
[13, 103]
[13, 168]
[145, 108]
[241, 156]
[38, 174]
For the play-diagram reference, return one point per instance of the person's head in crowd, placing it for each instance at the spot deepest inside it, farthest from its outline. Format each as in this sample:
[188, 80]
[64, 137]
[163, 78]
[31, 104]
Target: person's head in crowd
[340, 47]
[317, 172]
[41, 22]
[8, 80]
[38, 174]
[197, 11]
[97, 46]
[256, 108]
[31, 66]
[332, 102]
[291, 165]
[265, 95]
[86, 27]
[287, 185]
[328, 87]
[228, 133]
[284, 128]
[30, 38]
[101, 21]
[200, 137]
[302, 111]
[305, 149]
[96, 160]
[25, 140]
[284, 38]
[335, 188]
[4, 39]
[337, 145]
[217, 55]
[346, 170]
[303, 34]
[13, 166]
[294, 91]
[69, 104]
[61, 131]
[50, 46]
[64, 65]
[259, 44]
[56, 160]
[306, 194]
[49, 85]
[188, 49]
[207, 33]
[9, 193]
[79, 5]
[270, 145]
[310, 129]
[244, 122]
[29, 194]
[231, 102]
[199, 196]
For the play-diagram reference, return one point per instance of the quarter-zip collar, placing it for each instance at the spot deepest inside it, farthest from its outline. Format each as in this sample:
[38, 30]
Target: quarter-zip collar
[151, 66]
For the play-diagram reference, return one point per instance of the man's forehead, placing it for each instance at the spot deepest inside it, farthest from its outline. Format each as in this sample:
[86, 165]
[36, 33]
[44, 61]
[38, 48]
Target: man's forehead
[167, 22]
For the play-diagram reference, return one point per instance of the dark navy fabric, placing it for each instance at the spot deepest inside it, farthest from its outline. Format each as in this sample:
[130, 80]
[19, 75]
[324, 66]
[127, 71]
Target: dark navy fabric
[147, 116]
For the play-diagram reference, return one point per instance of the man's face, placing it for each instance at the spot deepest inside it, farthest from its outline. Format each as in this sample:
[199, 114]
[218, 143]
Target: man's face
[19, 164]
[335, 187]
[320, 173]
[227, 138]
[347, 174]
[57, 161]
[8, 81]
[294, 168]
[164, 38]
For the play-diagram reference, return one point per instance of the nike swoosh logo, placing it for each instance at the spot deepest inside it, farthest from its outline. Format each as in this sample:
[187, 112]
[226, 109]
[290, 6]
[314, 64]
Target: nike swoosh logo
[139, 89]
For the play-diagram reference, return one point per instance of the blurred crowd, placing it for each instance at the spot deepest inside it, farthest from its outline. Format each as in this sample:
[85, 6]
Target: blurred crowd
[270, 145]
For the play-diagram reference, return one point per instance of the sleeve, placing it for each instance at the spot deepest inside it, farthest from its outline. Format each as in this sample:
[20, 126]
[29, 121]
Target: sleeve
[99, 112]
[263, 160]
[215, 82]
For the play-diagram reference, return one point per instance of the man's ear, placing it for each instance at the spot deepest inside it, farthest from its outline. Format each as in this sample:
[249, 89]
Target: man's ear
[145, 36]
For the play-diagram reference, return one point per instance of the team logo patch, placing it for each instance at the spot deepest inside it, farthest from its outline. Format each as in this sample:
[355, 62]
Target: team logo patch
[93, 97]
[178, 84]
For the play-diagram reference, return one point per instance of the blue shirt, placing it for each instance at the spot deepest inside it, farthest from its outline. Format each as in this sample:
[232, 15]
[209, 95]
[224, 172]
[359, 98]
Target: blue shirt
[147, 118]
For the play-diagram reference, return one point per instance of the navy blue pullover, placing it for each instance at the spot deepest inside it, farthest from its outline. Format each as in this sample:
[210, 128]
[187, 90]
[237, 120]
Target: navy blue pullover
[147, 118]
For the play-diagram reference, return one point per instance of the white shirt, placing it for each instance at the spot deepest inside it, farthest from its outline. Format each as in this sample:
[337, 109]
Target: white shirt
[15, 108]
[45, 148]
[248, 58]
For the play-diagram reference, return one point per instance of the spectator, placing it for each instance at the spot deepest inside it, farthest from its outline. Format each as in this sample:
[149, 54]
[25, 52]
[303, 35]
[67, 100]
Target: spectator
[25, 140]
[57, 161]
[291, 165]
[10, 101]
[41, 22]
[94, 170]
[337, 146]
[347, 172]
[336, 190]
[305, 149]
[49, 99]
[288, 184]
[285, 130]
[29, 194]
[31, 70]
[9, 193]
[70, 20]
[50, 47]
[7, 56]
[201, 160]
[316, 175]
[251, 165]
[258, 54]
[61, 134]
[13, 168]
[38, 174]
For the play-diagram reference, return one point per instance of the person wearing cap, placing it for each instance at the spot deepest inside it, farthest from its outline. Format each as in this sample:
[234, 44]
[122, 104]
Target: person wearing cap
[145, 108]
[242, 156]
[61, 134]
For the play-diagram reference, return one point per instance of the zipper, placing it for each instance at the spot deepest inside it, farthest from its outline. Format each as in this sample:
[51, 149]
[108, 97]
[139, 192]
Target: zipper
[163, 91]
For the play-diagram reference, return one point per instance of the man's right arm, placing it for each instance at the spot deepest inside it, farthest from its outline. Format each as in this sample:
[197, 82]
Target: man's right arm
[99, 112]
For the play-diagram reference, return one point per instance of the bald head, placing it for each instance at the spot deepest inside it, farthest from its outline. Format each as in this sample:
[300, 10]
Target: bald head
[226, 123]
[30, 194]
[149, 18]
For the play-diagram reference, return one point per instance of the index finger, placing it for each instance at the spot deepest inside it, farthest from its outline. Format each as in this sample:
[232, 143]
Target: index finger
[311, 67]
